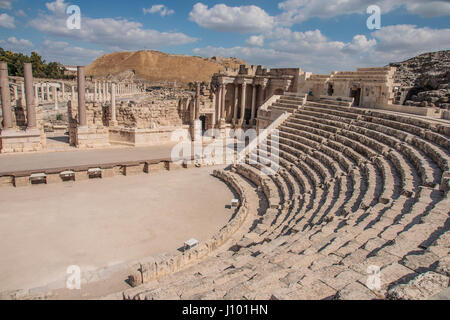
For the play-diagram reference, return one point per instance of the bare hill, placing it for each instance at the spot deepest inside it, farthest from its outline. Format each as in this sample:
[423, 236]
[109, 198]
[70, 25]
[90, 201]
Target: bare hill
[159, 66]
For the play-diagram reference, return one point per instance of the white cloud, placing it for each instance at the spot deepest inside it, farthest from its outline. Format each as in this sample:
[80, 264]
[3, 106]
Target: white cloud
[313, 42]
[159, 8]
[312, 51]
[241, 19]
[429, 8]
[63, 52]
[6, 4]
[57, 7]
[15, 44]
[297, 11]
[119, 34]
[256, 41]
[21, 13]
[360, 44]
[408, 40]
[6, 21]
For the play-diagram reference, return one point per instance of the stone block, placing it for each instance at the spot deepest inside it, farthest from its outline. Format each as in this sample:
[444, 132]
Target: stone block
[6, 181]
[81, 176]
[422, 287]
[174, 165]
[21, 181]
[108, 173]
[155, 167]
[132, 170]
[53, 178]
[355, 291]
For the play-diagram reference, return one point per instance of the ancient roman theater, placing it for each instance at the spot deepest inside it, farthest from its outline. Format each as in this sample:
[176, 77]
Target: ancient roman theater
[258, 184]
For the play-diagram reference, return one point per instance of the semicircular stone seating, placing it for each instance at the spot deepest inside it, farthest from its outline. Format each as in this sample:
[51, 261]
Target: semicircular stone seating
[333, 192]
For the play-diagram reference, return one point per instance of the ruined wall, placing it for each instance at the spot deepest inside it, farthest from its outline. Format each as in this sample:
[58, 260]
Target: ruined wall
[160, 108]
[149, 114]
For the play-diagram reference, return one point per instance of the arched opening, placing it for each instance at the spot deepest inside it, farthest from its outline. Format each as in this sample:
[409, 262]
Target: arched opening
[356, 93]
[203, 120]
[279, 92]
[330, 89]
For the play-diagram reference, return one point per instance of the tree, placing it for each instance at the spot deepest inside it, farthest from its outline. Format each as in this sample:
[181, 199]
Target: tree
[41, 69]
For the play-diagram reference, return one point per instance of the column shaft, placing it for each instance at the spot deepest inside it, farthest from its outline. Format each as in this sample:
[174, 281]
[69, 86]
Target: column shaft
[81, 97]
[197, 102]
[6, 98]
[222, 103]
[113, 102]
[31, 110]
[253, 103]
[235, 103]
[243, 101]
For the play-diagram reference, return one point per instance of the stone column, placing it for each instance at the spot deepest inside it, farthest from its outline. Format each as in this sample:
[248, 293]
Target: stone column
[31, 110]
[47, 87]
[41, 87]
[72, 98]
[55, 96]
[253, 104]
[235, 103]
[81, 97]
[108, 96]
[197, 102]
[62, 91]
[218, 100]
[243, 101]
[6, 98]
[214, 116]
[113, 104]
[222, 103]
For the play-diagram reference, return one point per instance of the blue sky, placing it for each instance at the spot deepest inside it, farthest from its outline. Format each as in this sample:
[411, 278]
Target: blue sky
[318, 36]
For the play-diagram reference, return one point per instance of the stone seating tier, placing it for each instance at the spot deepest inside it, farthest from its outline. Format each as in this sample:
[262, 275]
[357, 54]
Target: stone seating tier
[353, 189]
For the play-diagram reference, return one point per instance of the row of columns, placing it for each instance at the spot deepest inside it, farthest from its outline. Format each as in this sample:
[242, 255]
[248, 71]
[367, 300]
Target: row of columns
[31, 99]
[28, 93]
[257, 100]
[44, 92]
[103, 90]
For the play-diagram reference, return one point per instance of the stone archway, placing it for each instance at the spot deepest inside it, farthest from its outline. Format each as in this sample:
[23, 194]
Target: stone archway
[278, 92]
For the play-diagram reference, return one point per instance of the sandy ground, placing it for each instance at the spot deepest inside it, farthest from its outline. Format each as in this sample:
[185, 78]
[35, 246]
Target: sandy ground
[102, 223]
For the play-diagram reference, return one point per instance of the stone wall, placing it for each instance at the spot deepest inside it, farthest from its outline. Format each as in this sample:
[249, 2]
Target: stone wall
[22, 139]
[149, 114]
[95, 134]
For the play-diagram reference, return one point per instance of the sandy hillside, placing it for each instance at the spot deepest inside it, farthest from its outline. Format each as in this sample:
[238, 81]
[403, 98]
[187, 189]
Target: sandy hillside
[158, 66]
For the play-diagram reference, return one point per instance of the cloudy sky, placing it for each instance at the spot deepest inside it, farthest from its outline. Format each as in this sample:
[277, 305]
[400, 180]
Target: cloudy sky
[316, 35]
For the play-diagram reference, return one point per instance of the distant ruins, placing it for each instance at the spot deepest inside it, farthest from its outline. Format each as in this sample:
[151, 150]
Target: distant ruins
[125, 113]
